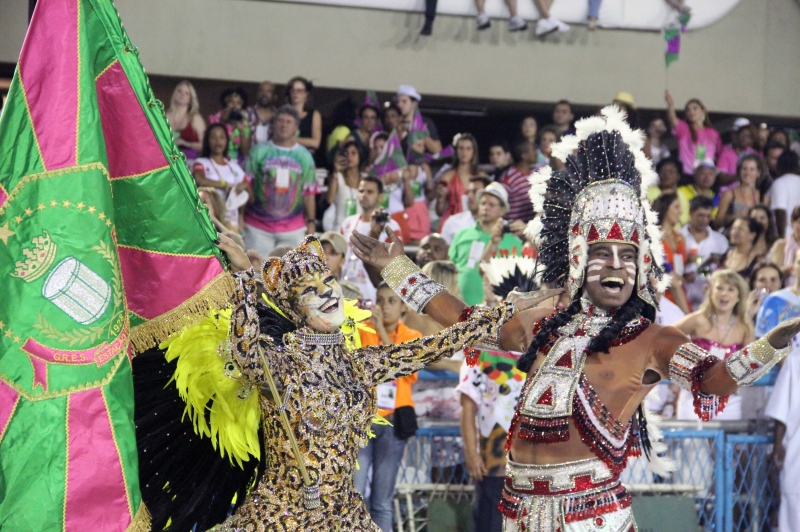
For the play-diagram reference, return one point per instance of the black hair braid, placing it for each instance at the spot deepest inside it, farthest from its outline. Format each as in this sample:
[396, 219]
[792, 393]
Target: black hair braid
[631, 310]
[549, 325]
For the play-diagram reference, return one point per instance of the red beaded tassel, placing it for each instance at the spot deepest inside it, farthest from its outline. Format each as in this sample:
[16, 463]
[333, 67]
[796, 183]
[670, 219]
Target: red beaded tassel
[706, 406]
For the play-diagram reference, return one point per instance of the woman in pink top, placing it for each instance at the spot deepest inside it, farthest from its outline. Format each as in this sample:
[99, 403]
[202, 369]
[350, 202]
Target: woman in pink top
[697, 139]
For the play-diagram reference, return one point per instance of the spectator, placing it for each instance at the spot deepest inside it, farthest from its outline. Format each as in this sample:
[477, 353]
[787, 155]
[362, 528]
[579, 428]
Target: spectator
[488, 393]
[515, 22]
[500, 158]
[783, 250]
[408, 103]
[432, 247]
[282, 208]
[343, 120]
[764, 280]
[392, 117]
[299, 94]
[547, 24]
[430, 16]
[213, 201]
[737, 201]
[654, 146]
[594, 13]
[562, 119]
[260, 115]
[515, 179]
[731, 155]
[367, 125]
[697, 139]
[784, 195]
[778, 136]
[529, 128]
[213, 169]
[415, 181]
[721, 327]
[481, 241]
[668, 209]
[384, 452]
[183, 115]
[623, 100]
[335, 247]
[702, 242]
[453, 199]
[372, 221]
[669, 173]
[704, 175]
[743, 257]
[342, 192]
[232, 115]
[376, 143]
[766, 220]
[547, 137]
[783, 403]
[466, 218]
[771, 153]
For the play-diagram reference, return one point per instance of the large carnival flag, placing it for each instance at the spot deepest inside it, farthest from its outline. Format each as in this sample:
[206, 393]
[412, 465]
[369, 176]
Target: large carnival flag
[105, 250]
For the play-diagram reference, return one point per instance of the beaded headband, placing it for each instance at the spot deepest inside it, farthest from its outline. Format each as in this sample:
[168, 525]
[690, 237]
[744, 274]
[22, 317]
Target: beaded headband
[281, 273]
[600, 196]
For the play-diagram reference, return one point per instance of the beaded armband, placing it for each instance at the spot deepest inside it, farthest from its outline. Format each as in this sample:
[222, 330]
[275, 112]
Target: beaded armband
[687, 369]
[414, 287]
[752, 362]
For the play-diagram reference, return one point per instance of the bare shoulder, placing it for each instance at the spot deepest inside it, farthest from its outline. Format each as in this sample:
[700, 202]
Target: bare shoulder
[691, 323]
[447, 176]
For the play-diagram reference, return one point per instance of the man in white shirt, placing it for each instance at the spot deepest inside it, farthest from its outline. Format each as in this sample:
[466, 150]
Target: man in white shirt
[701, 242]
[785, 191]
[456, 222]
[371, 221]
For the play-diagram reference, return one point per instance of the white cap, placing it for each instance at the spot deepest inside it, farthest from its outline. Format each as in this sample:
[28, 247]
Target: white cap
[498, 191]
[740, 123]
[409, 91]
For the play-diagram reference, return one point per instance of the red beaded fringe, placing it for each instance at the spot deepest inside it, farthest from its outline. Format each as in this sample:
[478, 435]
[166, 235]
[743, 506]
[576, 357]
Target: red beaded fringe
[509, 504]
[579, 507]
[544, 430]
[706, 406]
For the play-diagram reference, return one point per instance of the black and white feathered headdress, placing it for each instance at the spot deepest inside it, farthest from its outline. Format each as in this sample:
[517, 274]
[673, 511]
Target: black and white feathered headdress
[600, 196]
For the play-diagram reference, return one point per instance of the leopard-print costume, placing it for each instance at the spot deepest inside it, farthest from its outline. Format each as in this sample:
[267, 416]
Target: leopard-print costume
[330, 406]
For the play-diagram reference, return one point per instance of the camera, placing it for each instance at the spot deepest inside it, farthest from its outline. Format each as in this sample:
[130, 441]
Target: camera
[382, 217]
[235, 115]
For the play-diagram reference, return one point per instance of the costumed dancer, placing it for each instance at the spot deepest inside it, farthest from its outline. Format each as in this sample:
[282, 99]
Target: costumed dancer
[318, 408]
[581, 415]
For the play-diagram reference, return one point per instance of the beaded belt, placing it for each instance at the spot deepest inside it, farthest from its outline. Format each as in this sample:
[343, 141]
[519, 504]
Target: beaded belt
[546, 497]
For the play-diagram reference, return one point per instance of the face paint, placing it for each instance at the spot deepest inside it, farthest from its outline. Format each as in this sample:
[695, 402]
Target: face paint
[318, 300]
[613, 278]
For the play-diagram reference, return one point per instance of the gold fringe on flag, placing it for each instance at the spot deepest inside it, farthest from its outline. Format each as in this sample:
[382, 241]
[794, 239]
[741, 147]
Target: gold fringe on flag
[213, 296]
[141, 522]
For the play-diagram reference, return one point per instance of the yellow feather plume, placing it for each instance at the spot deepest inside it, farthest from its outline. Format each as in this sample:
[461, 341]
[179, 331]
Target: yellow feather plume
[207, 381]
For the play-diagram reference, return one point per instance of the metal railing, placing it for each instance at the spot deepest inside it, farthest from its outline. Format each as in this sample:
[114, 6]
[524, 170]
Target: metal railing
[729, 475]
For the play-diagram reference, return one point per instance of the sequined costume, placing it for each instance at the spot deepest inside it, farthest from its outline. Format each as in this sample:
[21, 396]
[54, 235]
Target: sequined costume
[576, 444]
[327, 390]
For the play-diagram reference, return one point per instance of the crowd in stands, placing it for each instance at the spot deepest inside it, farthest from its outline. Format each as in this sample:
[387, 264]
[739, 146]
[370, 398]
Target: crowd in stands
[729, 213]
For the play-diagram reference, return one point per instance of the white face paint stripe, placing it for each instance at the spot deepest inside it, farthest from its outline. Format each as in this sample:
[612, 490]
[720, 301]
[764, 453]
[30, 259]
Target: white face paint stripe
[592, 278]
[596, 261]
[615, 249]
[594, 267]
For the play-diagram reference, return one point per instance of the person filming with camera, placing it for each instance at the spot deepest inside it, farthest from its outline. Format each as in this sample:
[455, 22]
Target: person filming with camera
[481, 241]
[372, 221]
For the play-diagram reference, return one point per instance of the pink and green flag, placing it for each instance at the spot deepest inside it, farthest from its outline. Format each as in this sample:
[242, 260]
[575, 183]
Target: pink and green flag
[391, 157]
[105, 250]
[672, 36]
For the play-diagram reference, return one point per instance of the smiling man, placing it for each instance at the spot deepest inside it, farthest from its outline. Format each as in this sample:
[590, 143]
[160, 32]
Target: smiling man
[581, 412]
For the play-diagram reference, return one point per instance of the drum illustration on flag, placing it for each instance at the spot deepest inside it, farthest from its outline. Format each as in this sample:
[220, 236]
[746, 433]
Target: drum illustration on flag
[77, 290]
